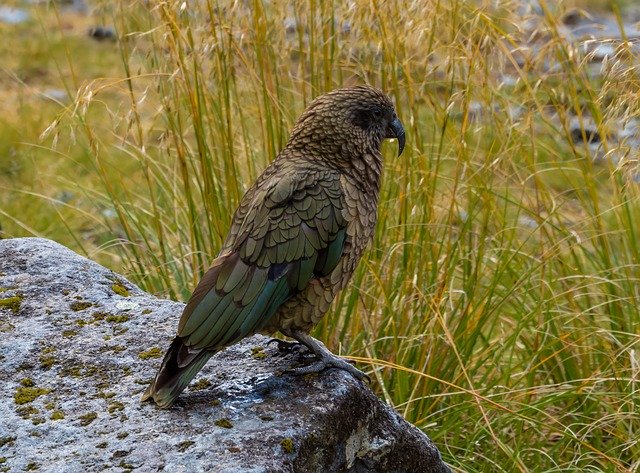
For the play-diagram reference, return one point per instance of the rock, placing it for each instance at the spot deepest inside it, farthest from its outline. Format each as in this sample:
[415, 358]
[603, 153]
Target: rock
[102, 33]
[80, 343]
[13, 16]
[57, 95]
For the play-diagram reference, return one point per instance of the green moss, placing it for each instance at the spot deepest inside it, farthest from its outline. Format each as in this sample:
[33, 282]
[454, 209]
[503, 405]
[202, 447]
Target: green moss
[80, 305]
[102, 445]
[122, 435]
[81, 323]
[225, 423]
[258, 353]
[114, 349]
[69, 333]
[87, 418]
[117, 330]
[146, 311]
[72, 371]
[37, 420]
[27, 382]
[143, 382]
[3, 460]
[287, 445]
[50, 406]
[115, 406]
[126, 466]
[12, 303]
[215, 402]
[100, 315]
[153, 352]
[47, 362]
[119, 288]
[201, 384]
[107, 395]
[57, 415]
[6, 327]
[5, 440]
[25, 394]
[27, 411]
[117, 319]
[182, 446]
[32, 466]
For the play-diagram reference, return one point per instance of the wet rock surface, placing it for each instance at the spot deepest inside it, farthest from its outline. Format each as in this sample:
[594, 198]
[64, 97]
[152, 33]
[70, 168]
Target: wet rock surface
[79, 344]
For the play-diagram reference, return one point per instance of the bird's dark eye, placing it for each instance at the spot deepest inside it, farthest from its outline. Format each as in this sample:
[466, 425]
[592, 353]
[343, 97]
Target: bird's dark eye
[365, 118]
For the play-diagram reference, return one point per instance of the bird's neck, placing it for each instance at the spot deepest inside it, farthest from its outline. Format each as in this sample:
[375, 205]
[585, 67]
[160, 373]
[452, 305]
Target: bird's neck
[366, 167]
[363, 165]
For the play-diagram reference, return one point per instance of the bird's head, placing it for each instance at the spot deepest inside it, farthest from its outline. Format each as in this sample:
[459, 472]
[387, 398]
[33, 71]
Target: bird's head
[348, 120]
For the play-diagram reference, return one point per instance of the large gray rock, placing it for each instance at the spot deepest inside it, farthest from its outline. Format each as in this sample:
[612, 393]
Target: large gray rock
[78, 345]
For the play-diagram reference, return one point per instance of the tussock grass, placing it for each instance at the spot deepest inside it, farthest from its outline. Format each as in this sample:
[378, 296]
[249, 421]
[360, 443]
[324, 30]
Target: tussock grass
[498, 307]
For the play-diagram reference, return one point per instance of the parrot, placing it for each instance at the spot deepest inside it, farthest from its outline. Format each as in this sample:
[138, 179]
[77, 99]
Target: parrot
[294, 242]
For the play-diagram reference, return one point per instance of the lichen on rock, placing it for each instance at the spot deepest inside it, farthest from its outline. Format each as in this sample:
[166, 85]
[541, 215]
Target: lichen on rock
[12, 303]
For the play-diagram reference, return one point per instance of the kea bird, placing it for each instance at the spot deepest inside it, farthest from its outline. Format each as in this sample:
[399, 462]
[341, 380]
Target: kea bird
[295, 239]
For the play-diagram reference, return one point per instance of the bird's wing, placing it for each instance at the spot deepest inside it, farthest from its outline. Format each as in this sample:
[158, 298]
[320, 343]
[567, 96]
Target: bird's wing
[284, 234]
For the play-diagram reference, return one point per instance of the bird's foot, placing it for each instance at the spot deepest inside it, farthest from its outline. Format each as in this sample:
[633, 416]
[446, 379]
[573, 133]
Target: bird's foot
[285, 347]
[330, 362]
[325, 359]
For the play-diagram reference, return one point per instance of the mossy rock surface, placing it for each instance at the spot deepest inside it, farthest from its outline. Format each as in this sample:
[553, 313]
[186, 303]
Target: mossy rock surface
[73, 379]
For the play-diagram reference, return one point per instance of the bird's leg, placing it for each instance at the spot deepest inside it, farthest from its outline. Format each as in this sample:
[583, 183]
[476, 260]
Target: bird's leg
[284, 346]
[326, 359]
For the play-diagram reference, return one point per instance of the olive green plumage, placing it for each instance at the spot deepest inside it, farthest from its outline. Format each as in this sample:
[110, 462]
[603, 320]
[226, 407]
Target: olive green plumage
[295, 238]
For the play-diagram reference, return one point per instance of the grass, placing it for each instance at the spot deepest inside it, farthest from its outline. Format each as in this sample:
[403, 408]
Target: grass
[497, 308]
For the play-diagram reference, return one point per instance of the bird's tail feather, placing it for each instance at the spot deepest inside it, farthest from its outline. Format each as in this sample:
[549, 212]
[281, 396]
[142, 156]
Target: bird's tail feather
[178, 368]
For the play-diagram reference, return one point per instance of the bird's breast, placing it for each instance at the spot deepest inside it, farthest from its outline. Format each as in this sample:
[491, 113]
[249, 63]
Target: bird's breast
[361, 212]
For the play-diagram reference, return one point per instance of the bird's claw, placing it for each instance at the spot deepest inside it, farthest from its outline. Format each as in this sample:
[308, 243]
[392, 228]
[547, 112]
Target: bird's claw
[330, 362]
[286, 347]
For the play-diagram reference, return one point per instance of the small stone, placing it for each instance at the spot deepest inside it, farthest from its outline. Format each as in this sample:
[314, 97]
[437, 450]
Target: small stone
[13, 16]
[102, 33]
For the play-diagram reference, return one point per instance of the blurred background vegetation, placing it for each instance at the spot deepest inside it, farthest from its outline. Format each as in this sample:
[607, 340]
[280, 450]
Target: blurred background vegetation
[498, 308]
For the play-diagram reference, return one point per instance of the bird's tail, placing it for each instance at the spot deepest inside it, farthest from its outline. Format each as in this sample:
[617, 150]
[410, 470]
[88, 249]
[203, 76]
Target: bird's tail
[178, 368]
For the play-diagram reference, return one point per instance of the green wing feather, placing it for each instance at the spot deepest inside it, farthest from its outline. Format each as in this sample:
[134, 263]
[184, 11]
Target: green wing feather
[285, 233]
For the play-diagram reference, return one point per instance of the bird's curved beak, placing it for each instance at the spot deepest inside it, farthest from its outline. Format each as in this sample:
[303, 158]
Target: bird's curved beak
[396, 130]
